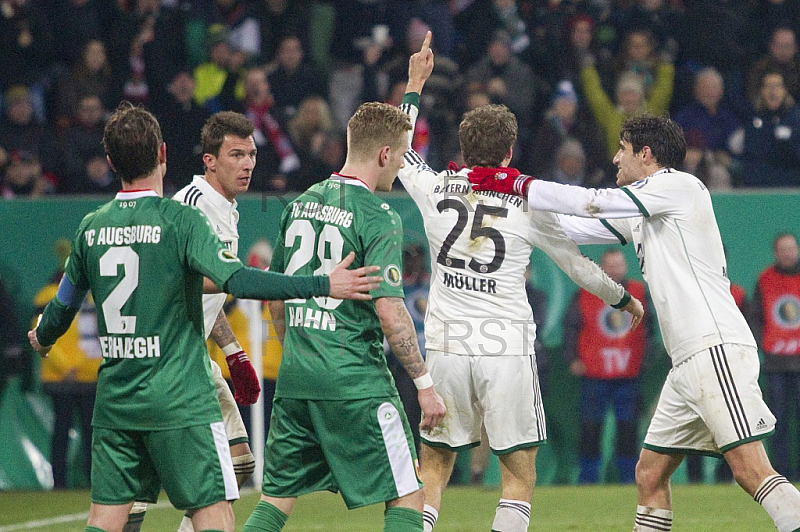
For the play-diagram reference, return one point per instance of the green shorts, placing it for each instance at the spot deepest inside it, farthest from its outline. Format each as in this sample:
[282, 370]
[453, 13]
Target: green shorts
[360, 447]
[192, 464]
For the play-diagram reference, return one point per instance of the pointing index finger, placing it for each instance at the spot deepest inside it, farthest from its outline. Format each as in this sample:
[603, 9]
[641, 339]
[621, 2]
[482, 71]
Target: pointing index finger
[426, 44]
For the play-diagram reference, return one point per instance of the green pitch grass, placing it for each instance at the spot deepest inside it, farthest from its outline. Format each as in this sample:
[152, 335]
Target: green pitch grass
[698, 508]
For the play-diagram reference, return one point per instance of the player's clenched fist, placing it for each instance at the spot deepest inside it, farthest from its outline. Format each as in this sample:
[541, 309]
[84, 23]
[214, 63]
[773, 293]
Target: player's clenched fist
[245, 380]
[500, 179]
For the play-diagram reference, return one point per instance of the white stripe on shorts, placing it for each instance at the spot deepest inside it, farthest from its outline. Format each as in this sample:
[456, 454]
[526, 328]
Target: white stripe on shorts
[225, 460]
[394, 438]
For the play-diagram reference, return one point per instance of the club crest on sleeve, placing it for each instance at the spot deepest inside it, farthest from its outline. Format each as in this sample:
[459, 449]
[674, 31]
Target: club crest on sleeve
[226, 256]
[500, 175]
[392, 275]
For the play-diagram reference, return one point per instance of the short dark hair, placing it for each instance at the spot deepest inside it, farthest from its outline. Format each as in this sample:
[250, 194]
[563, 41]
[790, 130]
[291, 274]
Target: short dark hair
[664, 137]
[131, 139]
[224, 123]
[486, 134]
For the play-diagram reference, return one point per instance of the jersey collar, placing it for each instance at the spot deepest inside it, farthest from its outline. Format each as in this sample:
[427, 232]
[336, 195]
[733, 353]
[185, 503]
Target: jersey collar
[135, 194]
[218, 200]
[348, 180]
[662, 171]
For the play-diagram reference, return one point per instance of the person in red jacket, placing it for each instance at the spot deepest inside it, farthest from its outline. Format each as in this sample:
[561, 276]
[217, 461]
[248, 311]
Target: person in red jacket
[775, 320]
[602, 350]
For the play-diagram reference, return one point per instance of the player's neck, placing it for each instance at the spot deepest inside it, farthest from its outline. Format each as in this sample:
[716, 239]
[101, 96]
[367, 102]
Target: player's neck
[153, 182]
[365, 173]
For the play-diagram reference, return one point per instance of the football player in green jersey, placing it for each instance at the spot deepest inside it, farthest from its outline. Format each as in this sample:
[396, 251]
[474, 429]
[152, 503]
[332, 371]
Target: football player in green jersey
[156, 421]
[337, 420]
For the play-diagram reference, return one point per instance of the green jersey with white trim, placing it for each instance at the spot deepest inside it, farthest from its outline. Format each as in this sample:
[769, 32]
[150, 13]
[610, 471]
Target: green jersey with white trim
[144, 258]
[333, 349]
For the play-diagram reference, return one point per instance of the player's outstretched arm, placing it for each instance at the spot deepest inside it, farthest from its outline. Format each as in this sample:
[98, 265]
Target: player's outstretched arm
[402, 337]
[246, 387]
[341, 283]
[57, 316]
[420, 66]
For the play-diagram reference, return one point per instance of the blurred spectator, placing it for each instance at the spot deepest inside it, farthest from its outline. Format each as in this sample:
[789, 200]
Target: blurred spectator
[772, 14]
[355, 21]
[312, 130]
[509, 81]
[602, 350]
[775, 320]
[771, 151]
[709, 126]
[563, 120]
[719, 33]
[581, 43]
[20, 131]
[23, 177]
[783, 58]
[569, 166]
[638, 54]
[659, 17]
[477, 24]
[243, 29]
[629, 99]
[280, 18]
[293, 80]
[90, 74]
[181, 120]
[80, 142]
[221, 68]
[146, 46]
[74, 23]
[278, 161]
[26, 49]
[69, 377]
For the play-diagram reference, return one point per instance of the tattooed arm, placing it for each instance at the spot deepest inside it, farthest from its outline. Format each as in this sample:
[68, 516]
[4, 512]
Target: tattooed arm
[399, 330]
[221, 332]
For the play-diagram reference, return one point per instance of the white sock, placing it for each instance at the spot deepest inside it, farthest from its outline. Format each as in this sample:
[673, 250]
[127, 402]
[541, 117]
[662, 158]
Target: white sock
[781, 500]
[512, 516]
[652, 520]
[186, 525]
[429, 517]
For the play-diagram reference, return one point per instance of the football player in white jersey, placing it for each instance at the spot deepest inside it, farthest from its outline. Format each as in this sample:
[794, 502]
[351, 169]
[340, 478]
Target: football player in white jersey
[479, 328]
[711, 402]
[229, 155]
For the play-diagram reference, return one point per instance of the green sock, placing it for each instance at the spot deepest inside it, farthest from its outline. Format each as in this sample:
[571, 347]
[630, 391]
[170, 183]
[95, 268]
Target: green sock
[93, 529]
[265, 518]
[398, 519]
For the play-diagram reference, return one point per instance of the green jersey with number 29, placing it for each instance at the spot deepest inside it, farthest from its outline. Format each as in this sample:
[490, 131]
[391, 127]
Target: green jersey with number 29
[144, 258]
[333, 349]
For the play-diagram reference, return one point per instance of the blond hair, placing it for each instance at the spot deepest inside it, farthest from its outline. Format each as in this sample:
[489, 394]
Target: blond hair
[375, 125]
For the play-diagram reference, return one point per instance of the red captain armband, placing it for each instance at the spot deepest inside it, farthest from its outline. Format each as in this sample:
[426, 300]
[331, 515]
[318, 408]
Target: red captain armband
[500, 179]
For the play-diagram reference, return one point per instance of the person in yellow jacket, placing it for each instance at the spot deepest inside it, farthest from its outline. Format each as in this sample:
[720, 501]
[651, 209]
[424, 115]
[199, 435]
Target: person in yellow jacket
[69, 377]
[259, 256]
[630, 98]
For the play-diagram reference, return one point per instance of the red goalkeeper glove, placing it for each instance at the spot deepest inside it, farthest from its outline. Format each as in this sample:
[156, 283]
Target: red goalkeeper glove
[500, 179]
[245, 381]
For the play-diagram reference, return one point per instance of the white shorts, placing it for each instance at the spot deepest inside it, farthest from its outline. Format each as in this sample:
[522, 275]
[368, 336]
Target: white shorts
[501, 391]
[234, 426]
[710, 404]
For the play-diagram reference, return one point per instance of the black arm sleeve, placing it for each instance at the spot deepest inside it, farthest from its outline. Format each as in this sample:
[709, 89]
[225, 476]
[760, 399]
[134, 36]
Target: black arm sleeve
[56, 319]
[252, 283]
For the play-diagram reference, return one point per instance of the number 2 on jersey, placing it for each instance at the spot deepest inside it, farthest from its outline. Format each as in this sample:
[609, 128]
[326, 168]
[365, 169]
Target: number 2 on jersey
[116, 323]
[476, 231]
[329, 249]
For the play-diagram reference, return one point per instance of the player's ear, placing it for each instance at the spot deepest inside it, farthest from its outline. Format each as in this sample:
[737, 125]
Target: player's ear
[209, 161]
[162, 153]
[383, 156]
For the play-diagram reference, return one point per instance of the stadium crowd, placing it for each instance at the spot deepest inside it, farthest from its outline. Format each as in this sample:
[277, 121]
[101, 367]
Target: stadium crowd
[570, 70]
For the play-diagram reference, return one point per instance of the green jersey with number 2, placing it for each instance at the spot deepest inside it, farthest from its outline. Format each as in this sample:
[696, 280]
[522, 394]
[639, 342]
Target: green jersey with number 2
[144, 258]
[333, 349]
